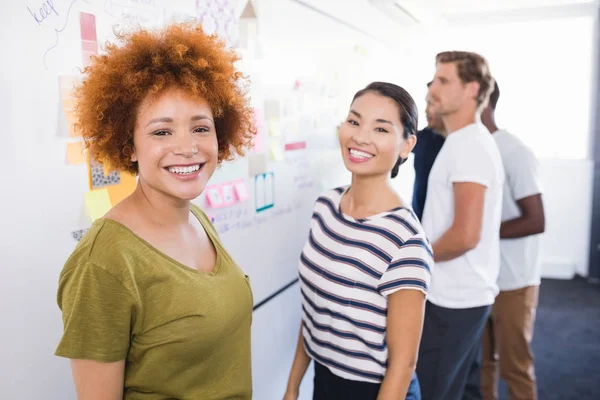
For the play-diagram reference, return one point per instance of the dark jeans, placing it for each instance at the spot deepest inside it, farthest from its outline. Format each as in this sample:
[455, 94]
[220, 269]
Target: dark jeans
[414, 390]
[329, 386]
[449, 366]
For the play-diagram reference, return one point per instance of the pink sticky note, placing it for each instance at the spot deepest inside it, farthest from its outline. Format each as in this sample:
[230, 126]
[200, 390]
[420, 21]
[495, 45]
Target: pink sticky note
[214, 197]
[228, 194]
[87, 22]
[241, 190]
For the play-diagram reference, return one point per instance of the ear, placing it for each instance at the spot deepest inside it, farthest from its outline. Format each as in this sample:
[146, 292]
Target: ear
[408, 146]
[473, 89]
[133, 155]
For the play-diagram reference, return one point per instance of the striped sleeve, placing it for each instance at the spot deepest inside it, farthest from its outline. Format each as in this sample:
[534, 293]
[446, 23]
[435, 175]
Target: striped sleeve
[410, 268]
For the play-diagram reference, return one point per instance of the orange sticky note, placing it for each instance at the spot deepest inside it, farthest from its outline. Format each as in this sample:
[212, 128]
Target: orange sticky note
[97, 203]
[75, 154]
[123, 189]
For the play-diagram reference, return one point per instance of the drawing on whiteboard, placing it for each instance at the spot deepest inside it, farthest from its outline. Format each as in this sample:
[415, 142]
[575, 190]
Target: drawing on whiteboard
[46, 9]
[264, 191]
[241, 220]
[218, 17]
[134, 13]
[58, 31]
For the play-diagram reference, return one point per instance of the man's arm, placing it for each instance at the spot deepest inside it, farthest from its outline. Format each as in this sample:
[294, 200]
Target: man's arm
[465, 232]
[531, 222]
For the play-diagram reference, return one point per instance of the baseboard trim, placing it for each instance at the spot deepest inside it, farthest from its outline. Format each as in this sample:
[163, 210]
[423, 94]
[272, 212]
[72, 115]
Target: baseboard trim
[558, 270]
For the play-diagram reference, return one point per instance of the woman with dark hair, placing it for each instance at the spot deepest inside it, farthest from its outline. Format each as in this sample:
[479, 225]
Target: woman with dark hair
[365, 269]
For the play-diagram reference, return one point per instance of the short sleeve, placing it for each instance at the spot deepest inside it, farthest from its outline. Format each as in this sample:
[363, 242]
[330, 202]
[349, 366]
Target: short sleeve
[410, 269]
[97, 315]
[523, 174]
[472, 165]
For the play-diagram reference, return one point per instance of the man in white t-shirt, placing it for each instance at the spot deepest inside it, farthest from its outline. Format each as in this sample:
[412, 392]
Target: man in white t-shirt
[462, 219]
[508, 333]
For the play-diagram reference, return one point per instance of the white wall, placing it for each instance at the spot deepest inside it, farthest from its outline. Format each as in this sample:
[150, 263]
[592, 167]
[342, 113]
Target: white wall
[30, 318]
[545, 72]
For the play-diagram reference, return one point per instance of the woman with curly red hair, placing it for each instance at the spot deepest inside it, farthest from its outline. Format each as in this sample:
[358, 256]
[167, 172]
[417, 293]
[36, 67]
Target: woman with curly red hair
[153, 306]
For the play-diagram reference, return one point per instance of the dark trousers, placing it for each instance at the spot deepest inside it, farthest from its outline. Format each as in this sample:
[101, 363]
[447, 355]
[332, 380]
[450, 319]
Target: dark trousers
[329, 386]
[449, 366]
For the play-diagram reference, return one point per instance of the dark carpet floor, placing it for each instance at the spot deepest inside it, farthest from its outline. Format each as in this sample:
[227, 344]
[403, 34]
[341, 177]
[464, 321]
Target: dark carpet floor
[566, 341]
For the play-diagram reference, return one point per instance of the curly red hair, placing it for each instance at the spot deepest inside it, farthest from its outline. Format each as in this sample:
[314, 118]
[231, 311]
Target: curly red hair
[148, 62]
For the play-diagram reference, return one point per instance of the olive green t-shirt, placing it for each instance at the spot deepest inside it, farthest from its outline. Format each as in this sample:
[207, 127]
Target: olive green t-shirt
[184, 334]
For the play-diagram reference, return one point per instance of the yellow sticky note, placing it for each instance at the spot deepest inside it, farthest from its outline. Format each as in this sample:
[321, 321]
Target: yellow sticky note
[123, 189]
[274, 127]
[75, 154]
[97, 203]
[276, 151]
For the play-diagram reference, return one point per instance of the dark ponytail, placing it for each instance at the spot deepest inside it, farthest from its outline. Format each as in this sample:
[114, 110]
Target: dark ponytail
[408, 110]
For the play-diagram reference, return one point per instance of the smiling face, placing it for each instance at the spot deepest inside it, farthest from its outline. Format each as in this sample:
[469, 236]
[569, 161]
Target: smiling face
[372, 137]
[175, 144]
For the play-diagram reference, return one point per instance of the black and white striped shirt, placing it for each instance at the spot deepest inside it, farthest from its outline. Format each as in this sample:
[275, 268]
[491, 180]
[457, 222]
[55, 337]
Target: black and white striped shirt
[347, 269]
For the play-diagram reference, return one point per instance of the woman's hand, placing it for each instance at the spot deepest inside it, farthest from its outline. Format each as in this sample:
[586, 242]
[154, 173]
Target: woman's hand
[299, 366]
[291, 395]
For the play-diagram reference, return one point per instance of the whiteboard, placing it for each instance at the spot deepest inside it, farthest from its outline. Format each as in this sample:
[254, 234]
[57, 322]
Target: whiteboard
[43, 196]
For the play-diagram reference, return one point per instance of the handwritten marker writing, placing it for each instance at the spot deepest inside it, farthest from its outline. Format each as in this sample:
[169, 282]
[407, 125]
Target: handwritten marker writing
[45, 10]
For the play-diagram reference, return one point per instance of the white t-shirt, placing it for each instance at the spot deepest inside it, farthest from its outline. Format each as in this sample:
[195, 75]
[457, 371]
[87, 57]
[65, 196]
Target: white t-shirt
[469, 154]
[520, 264]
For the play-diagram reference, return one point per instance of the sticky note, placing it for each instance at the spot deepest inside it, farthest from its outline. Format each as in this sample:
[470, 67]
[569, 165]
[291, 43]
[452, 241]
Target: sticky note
[123, 189]
[295, 146]
[228, 193]
[214, 197]
[257, 164]
[259, 138]
[97, 203]
[66, 86]
[276, 152]
[89, 41]
[75, 154]
[98, 176]
[87, 22]
[274, 127]
[241, 190]
[272, 108]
